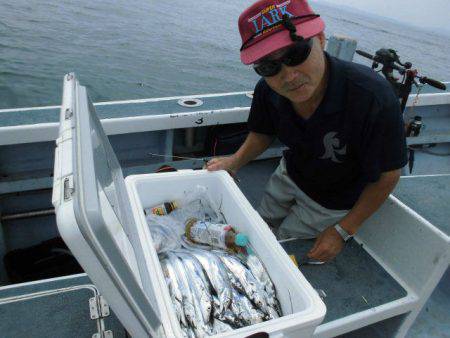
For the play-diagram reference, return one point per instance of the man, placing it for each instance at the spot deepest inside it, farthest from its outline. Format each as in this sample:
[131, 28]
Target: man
[340, 121]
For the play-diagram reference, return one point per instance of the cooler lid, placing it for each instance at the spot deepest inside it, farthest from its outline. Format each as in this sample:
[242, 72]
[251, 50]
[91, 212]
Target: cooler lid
[97, 174]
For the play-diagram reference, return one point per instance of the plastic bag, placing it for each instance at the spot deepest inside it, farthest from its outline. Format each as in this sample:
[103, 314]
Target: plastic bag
[165, 233]
[168, 230]
[199, 204]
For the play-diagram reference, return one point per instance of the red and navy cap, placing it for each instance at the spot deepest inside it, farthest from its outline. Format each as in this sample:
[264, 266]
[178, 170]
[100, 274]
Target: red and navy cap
[263, 33]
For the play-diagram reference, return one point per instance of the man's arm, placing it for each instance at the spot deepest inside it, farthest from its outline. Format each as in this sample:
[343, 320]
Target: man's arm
[370, 201]
[254, 145]
[330, 243]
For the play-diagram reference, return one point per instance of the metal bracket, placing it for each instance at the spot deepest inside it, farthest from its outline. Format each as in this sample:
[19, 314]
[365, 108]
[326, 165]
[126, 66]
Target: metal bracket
[104, 334]
[104, 307]
[68, 189]
[321, 293]
[93, 308]
[68, 114]
[98, 307]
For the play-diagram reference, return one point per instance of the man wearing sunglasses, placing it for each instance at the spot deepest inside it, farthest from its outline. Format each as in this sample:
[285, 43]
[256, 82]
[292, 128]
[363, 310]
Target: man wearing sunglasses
[340, 121]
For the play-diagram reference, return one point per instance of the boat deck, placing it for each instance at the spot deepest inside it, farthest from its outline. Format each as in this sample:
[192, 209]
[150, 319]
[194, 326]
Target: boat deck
[62, 302]
[355, 281]
[429, 196]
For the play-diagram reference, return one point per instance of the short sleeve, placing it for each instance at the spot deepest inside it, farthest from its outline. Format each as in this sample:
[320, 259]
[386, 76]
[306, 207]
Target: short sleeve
[259, 119]
[385, 140]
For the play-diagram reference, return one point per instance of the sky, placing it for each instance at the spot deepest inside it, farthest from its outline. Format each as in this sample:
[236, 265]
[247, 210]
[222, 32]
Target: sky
[429, 14]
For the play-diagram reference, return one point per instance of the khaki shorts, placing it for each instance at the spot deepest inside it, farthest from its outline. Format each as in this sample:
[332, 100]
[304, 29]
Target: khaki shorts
[290, 212]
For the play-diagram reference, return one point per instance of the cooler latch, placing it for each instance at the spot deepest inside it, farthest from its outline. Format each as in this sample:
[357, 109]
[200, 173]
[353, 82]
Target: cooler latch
[68, 188]
[68, 113]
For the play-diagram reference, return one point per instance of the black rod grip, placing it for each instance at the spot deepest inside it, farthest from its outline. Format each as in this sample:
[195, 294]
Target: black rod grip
[365, 54]
[435, 83]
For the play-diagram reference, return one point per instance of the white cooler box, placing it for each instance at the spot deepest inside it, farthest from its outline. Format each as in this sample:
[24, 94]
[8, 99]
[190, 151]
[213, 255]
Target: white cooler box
[100, 217]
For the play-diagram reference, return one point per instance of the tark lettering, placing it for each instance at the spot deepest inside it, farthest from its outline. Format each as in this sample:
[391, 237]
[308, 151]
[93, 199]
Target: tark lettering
[276, 15]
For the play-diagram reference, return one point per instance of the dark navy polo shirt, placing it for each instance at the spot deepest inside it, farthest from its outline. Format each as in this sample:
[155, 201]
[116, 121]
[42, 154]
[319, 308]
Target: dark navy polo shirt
[355, 134]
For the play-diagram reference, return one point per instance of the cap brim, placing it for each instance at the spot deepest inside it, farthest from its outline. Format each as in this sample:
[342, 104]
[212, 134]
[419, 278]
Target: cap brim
[280, 40]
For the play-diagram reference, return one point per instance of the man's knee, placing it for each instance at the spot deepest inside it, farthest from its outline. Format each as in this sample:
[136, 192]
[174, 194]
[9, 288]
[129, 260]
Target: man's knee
[294, 227]
[274, 211]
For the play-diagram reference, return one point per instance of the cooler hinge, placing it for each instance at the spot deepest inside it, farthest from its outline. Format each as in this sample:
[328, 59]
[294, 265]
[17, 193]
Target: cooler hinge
[103, 334]
[99, 308]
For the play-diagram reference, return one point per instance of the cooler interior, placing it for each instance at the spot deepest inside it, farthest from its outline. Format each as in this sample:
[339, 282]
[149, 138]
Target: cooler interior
[293, 291]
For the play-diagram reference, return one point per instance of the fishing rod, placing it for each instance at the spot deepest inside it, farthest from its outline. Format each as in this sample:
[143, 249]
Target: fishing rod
[390, 61]
[203, 159]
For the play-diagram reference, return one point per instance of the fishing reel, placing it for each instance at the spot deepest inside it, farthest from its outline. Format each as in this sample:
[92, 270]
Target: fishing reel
[390, 61]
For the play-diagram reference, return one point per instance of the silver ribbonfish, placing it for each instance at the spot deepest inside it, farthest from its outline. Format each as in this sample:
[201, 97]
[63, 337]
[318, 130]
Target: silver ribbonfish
[219, 280]
[252, 289]
[219, 326]
[187, 332]
[197, 281]
[188, 302]
[247, 313]
[174, 289]
[258, 270]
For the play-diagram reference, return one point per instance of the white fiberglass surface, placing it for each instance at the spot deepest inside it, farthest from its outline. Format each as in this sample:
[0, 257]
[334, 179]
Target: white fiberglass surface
[154, 189]
[118, 233]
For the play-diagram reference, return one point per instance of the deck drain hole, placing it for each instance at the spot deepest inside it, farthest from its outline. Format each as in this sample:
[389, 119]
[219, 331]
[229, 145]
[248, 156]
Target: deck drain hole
[190, 102]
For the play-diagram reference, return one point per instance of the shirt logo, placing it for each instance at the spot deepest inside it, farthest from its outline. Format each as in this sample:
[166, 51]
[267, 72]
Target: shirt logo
[332, 147]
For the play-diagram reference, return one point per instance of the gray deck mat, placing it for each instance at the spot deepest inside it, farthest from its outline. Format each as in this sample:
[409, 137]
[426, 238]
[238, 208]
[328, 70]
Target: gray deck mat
[353, 282]
[433, 320]
[70, 308]
[253, 178]
[429, 196]
[353, 275]
[30, 317]
[45, 285]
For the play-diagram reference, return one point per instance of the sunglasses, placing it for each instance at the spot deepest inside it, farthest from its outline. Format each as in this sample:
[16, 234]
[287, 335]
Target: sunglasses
[294, 56]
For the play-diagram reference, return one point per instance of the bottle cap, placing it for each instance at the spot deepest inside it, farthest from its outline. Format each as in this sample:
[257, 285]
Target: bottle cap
[241, 240]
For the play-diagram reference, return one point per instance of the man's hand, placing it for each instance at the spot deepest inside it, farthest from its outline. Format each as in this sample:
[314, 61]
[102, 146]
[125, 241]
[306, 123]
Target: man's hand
[327, 245]
[227, 163]
[254, 145]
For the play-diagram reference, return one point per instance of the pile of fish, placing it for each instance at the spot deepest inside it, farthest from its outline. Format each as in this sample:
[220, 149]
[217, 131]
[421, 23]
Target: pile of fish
[214, 291]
